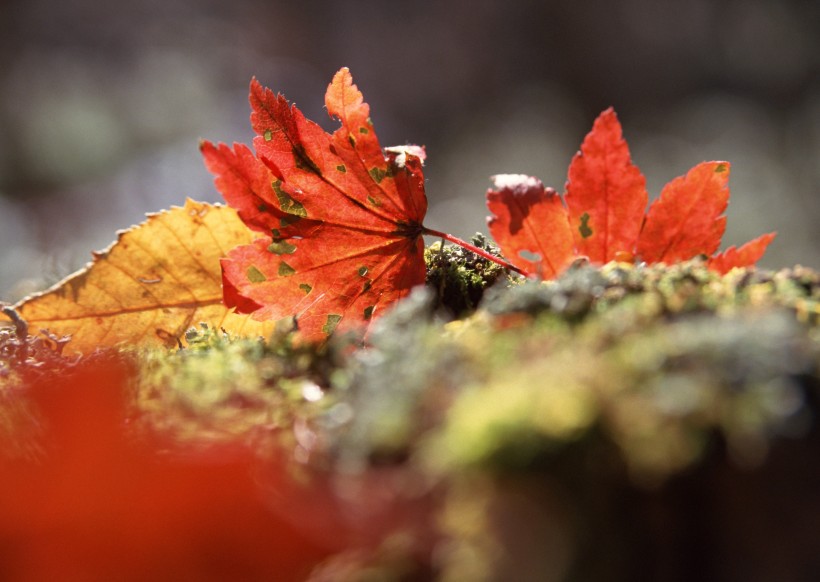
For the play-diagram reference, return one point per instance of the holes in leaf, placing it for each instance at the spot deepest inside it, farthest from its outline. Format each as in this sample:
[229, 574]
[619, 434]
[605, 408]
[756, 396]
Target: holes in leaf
[530, 256]
[362, 271]
[368, 311]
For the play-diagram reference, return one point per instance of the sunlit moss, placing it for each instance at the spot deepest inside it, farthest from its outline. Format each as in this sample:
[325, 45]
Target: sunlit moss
[458, 277]
[489, 395]
[225, 388]
[656, 359]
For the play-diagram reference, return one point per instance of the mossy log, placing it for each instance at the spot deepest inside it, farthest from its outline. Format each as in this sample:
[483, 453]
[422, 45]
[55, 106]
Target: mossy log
[619, 423]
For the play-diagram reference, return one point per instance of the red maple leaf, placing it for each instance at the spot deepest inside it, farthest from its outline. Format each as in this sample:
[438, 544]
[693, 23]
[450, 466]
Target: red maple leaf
[529, 218]
[745, 256]
[604, 215]
[605, 193]
[340, 218]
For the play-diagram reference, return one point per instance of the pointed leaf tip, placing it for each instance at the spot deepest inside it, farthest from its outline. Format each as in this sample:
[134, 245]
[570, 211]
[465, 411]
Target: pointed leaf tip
[745, 256]
[327, 204]
[605, 193]
[687, 218]
[156, 281]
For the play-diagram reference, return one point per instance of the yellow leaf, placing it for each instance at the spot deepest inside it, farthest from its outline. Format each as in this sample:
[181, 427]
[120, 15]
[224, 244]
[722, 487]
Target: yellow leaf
[150, 286]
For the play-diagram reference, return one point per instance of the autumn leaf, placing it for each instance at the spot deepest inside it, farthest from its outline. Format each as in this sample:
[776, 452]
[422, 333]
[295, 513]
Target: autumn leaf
[745, 256]
[687, 218]
[605, 207]
[605, 193]
[341, 219]
[155, 282]
[530, 224]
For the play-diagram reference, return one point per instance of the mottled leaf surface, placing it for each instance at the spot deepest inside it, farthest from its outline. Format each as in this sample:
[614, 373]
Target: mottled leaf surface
[604, 216]
[341, 217]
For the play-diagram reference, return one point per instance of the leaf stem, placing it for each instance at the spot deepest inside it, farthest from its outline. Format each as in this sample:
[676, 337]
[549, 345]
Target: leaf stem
[472, 248]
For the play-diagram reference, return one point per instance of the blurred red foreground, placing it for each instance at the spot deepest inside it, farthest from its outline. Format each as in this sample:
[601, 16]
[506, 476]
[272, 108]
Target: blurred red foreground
[99, 507]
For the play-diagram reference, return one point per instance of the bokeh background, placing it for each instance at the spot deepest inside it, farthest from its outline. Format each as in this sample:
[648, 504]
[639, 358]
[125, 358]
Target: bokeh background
[102, 104]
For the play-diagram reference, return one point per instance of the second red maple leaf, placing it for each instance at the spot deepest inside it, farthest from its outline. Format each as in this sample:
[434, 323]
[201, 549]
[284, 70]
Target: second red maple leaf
[603, 214]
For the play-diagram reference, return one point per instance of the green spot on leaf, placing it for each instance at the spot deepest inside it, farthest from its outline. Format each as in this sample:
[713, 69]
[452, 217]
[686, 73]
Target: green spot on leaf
[286, 203]
[584, 228]
[285, 270]
[341, 168]
[368, 311]
[262, 208]
[268, 135]
[281, 247]
[305, 287]
[352, 140]
[720, 168]
[366, 286]
[362, 271]
[373, 201]
[255, 275]
[332, 321]
[364, 130]
[377, 174]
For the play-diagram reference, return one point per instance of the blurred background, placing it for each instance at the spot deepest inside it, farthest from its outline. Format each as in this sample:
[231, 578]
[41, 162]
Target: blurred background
[102, 104]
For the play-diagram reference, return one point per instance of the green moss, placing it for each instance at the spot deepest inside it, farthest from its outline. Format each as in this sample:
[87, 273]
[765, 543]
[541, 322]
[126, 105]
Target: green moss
[567, 397]
[223, 388]
[459, 277]
[656, 360]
